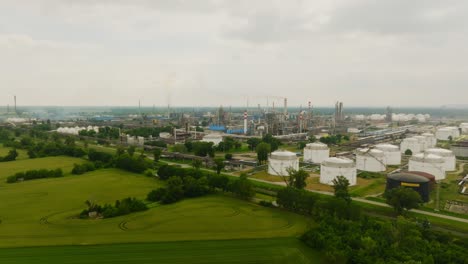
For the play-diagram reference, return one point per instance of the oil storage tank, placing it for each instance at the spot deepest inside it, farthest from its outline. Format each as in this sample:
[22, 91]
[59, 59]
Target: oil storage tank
[464, 128]
[392, 155]
[334, 167]
[422, 142]
[411, 180]
[431, 140]
[411, 144]
[444, 133]
[370, 160]
[280, 161]
[447, 155]
[316, 152]
[429, 163]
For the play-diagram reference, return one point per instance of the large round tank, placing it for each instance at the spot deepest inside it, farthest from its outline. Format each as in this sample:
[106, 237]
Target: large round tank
[422, 142]
[431, 140]
[411, 180]
[392, 155]
[445, 133]
[316, 152]
[429, 163]
[447, 155]
[334, 167]
[411, 144]
[280, 161]
[370, 160]
[464, 128]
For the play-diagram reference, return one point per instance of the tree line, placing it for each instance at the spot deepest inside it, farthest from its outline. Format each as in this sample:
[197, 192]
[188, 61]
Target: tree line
[34, 174]
[192, 182]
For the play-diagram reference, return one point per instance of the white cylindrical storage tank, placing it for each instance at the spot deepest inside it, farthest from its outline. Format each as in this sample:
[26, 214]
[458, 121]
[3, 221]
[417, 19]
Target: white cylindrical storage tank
[370, 160]
[431, 140]
[280, 161]
[447, 155]
[392, 154]
[445, 132]
[316, 152]
[429, 163]
[464, 128]
[334, 167]
[422, 142]
[411, 144]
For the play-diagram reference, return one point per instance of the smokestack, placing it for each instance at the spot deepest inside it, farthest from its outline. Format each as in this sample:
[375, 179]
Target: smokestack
[15, 106]
[285, 107]
[245, 122]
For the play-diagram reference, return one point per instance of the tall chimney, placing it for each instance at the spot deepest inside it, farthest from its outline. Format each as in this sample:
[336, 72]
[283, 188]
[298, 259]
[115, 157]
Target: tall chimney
[285, 108]
[245, 122]
[15, 105]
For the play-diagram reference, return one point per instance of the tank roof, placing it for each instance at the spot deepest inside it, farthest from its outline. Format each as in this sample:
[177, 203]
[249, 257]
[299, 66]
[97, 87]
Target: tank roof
[387, 147]
[407, 177]
[424, 174]
[424, 157]
[370, 152]
[283, 155]
[338, 162]
[440, 152]
[317, 145]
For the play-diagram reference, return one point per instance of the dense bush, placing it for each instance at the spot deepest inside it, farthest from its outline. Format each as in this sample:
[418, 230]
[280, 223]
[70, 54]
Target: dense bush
[133, 164]
[103, 157]
[187, 182]
[35, 174]
[57, 148]
[370, 241]
[120, 207]
[11, 156]
[83, 168]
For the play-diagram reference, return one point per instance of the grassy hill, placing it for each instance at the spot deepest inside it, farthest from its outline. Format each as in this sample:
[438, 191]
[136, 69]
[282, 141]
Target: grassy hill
[211, 229]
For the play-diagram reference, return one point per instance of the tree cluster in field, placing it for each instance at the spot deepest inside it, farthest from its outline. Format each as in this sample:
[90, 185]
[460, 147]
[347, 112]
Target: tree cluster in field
[345, 235]
[79, 169]
[264, 146]
[334, 139]
[122, 160]
[199, 148]
[34, 174]
[186, 183]
[368, 240]
[46, 148]
[120, 207]
[148, 131]
[103, 133]
[11, 156]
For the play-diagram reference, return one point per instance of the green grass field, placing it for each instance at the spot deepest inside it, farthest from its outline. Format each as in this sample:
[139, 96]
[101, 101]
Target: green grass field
[12, 167]
[273, 250]
[38, 223]
[41, 212]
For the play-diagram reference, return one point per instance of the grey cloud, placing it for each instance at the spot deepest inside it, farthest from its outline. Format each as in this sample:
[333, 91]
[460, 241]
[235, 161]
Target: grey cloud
[399, 16]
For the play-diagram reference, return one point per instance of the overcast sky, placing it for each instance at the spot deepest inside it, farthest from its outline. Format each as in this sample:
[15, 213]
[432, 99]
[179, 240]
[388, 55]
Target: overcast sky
[195, 52]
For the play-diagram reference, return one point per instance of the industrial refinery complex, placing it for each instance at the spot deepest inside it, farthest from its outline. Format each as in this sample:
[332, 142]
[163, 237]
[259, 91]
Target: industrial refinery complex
[373, 151]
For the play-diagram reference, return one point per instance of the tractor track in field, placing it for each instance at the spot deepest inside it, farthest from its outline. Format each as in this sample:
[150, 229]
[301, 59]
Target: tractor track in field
[123, 225]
